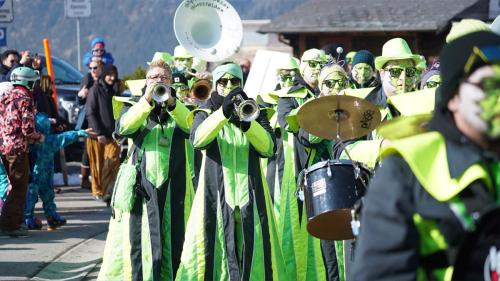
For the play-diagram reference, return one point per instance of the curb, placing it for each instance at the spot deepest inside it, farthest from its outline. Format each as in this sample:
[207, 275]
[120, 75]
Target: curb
[76, 263]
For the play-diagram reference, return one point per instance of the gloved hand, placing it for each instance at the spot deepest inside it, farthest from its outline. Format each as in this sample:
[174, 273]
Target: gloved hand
[228, 103]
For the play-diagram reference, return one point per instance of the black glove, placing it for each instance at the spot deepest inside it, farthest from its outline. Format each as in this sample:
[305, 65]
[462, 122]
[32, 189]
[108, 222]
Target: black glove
[228, 103]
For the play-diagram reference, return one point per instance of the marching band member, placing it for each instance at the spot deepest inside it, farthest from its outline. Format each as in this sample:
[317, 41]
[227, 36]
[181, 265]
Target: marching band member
[146, 235]
[421, 202]
[231, 232]
[332, 80]
[307, 257]
[363, 73]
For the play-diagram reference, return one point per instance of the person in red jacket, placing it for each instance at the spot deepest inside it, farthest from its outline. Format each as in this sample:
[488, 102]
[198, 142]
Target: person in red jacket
[17, 131]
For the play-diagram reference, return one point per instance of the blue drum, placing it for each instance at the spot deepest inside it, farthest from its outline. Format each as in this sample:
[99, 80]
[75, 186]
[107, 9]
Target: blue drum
[331, 188]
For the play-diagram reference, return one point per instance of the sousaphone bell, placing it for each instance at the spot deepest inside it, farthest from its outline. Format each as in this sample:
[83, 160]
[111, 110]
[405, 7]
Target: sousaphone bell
[209, 29]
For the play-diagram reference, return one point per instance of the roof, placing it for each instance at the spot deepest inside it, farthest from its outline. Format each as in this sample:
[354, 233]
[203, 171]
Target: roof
[368, 16]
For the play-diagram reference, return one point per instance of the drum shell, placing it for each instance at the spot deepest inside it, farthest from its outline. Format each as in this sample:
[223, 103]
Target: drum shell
[329, 198]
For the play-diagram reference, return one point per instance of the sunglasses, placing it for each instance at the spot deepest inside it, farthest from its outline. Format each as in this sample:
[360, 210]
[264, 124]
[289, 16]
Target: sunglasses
[395, 72]
[432, 84]
[156, 77]
[180, 87]
[93, 67]
[98, 50]
[331, 83]
[314, 64]
[224, 81]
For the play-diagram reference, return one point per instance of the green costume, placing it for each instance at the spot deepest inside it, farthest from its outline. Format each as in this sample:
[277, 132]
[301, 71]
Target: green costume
[306, 257]
[231, 232]
[146, 243]
[436, 189]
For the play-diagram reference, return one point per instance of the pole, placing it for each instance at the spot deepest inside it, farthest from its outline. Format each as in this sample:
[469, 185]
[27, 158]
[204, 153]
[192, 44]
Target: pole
[50, 70]
[78, 62]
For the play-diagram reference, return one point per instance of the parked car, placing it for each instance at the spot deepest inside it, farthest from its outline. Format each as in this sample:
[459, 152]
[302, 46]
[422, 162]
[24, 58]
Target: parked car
[67, 81]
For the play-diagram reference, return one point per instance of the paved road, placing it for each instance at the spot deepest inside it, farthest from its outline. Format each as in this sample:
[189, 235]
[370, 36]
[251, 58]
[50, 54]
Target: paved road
[71, 252]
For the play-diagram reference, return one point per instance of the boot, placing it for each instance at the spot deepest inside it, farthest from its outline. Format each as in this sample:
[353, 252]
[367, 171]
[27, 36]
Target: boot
[55, 220]
[85, 183]
[33, 223]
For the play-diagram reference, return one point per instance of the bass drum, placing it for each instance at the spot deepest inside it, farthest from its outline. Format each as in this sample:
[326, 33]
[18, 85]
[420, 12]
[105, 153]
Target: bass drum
[331, 189]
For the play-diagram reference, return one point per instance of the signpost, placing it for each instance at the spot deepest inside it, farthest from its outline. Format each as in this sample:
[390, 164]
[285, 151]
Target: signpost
[77, 9]
[6, 11]
[3, 36]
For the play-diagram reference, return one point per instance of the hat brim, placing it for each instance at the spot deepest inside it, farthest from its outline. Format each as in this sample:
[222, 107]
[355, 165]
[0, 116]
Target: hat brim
[381, 60]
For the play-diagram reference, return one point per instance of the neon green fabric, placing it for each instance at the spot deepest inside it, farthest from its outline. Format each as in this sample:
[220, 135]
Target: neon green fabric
[118, 102]
[233, 146]
[419, 102]
[366, 152]
[426, 156]
[212, 126]
[260, 139]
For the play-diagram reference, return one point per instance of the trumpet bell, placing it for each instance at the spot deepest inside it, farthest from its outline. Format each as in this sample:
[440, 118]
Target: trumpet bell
[209, 29]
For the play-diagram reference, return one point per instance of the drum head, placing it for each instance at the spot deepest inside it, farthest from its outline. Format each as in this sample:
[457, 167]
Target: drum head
[333, 225]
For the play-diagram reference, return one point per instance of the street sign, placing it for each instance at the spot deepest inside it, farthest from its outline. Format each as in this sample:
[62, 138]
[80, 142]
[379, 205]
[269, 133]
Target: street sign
[3, 36]
[77, 8]
[6, 11]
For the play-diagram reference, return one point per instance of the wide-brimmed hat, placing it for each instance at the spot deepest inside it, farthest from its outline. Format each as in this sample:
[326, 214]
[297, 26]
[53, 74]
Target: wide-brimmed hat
[181, 52]
[395, 49]
[164, 56]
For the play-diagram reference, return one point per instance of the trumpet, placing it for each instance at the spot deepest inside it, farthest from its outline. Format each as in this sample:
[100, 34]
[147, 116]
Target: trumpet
[201, 90]
[161, 92]
[246, 110]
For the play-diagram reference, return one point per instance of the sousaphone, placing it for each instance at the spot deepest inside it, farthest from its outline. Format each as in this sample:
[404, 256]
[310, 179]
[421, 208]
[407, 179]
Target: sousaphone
[209, 29]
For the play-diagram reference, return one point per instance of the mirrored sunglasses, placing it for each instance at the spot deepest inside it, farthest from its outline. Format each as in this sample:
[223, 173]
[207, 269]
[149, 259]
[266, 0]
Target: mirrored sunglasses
[224, 81]
[395, 72]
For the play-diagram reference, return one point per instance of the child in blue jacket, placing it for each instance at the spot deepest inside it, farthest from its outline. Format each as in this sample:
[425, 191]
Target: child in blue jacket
[43, 172]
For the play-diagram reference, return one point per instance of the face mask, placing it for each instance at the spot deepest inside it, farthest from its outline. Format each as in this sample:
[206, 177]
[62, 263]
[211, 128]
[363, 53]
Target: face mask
[227, 83]
[490, 106]
[389, 89]
[362, 73]
[286, 79]
[182, 64]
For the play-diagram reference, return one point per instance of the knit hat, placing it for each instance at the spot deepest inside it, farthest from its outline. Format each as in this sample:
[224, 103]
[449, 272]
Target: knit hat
[179, 78]
[465, 27]
[395, 49]
[231, 68]
[364, 56]
[453, 59]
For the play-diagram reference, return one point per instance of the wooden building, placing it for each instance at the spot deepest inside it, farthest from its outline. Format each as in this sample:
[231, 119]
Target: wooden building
[368, 24]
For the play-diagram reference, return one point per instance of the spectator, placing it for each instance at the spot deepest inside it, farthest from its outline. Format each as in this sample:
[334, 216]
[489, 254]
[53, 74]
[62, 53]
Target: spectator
[9, 58]
[97, 45]
[43, 173]
[245, 65]
[104, 152]
[17, 129]
[95, 70]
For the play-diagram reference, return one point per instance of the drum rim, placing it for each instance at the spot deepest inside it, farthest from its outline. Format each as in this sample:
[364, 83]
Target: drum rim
[322, 164]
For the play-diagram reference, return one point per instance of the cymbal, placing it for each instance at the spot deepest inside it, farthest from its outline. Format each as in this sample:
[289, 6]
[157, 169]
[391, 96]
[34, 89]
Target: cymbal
[404, 126]
[339, 117]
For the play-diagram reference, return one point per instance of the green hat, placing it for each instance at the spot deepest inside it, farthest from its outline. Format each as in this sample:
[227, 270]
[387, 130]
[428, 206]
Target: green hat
[287, 63]
[465, 27]
[395, 49]
[164, 56]
[231, 68]
[312, 54]
[181, 52]
[350, 56]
